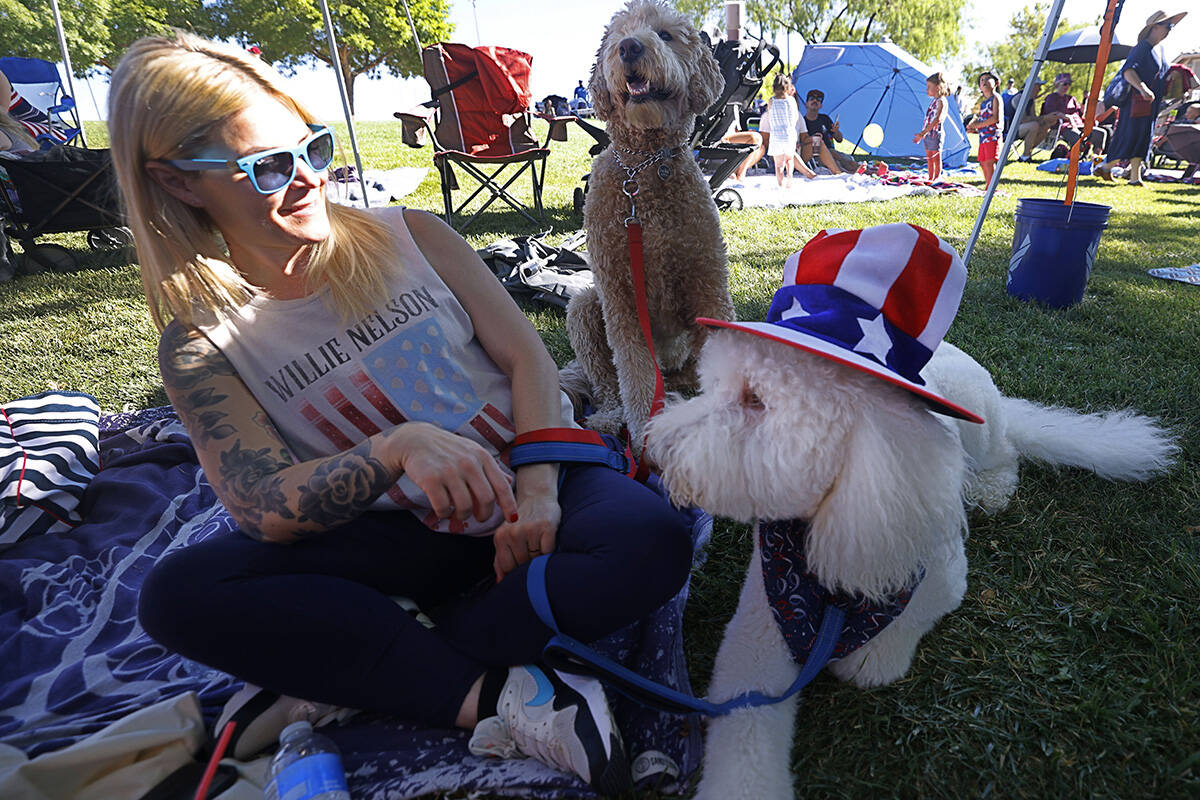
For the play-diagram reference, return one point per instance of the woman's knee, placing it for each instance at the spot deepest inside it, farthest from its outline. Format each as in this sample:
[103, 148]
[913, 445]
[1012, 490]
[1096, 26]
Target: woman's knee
[659, 551]
[174, 594]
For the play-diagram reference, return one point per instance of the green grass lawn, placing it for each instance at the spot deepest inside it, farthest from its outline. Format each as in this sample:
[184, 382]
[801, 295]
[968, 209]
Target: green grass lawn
[1071, 669]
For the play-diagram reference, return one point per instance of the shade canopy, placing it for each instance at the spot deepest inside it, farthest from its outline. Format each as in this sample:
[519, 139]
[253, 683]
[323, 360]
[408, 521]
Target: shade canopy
[1082, 46]
[878, 83]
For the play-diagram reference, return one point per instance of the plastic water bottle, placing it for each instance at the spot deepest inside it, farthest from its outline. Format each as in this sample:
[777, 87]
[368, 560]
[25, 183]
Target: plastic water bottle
[307, 766]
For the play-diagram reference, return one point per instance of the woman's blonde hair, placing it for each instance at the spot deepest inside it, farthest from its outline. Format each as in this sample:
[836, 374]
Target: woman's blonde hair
[169, 97]
[15, 131]
[939, 80]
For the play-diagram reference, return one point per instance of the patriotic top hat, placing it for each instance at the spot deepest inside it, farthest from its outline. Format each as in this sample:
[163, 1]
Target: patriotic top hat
[878, 300]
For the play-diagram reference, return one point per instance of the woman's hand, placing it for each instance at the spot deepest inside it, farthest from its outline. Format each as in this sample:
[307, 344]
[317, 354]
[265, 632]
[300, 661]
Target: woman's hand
[532, 534]
[458, 476]
[917, 137]
[1146, 93]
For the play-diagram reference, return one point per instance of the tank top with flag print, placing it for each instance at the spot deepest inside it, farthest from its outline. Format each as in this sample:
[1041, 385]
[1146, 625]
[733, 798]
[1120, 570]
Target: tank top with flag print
[327, 383]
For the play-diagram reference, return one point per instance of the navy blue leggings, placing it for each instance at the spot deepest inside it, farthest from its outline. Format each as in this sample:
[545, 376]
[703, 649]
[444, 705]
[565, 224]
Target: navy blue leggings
[315, 619]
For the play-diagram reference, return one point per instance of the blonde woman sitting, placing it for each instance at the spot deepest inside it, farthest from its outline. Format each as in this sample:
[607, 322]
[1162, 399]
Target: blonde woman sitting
[351, 381]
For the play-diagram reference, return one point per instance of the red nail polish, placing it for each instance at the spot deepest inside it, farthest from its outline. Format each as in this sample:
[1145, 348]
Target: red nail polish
[512, 518]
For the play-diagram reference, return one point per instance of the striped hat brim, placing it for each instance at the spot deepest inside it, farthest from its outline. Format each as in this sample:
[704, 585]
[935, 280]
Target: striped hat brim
[820, 347]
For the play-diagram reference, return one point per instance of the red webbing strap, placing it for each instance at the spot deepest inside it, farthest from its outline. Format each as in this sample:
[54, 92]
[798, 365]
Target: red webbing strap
[633, 229]
[638, 271]
[577, 435]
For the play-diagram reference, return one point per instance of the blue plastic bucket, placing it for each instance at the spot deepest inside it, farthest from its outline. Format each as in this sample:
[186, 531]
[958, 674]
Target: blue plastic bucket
[1054, 247]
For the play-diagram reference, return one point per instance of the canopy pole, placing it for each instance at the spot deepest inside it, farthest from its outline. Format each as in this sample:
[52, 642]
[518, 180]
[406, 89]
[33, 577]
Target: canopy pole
[1011, 136]
[417, 39]
[66, 57]
[341, 81]
[870, 119]
[1089, 114]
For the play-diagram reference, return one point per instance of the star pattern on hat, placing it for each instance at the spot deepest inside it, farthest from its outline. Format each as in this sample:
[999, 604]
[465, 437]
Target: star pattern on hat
[875, 340]
[796, 311]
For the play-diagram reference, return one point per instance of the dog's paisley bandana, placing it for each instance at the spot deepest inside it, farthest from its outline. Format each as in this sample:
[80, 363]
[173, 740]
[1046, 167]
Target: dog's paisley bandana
[798, 601]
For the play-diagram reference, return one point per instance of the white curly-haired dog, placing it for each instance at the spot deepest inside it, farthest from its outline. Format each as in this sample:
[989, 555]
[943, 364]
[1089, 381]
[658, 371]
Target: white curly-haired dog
[653, 74]
[817, 426]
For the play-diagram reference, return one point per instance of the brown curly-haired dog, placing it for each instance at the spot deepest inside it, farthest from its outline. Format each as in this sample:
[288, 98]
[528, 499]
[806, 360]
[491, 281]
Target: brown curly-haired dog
[653, 74]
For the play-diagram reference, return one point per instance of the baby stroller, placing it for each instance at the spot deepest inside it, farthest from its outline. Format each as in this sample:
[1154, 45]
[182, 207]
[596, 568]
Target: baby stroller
[59, 190]
[741, 64]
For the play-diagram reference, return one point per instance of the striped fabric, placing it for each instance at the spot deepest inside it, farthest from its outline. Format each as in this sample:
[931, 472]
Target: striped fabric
[34, 121]
[49, 452]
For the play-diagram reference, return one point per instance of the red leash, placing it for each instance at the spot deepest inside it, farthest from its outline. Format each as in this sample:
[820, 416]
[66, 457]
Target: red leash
[633, 229]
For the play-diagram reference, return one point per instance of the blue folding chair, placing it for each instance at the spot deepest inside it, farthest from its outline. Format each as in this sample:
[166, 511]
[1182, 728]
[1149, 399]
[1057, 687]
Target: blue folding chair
[39, 83]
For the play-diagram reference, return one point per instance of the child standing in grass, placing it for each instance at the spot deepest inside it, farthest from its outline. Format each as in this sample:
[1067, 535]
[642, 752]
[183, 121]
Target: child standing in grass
[930, 134]
[784, 116]
[987, 124]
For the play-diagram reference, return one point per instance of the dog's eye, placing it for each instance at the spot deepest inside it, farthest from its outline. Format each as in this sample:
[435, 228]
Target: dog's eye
[665, 36]
[750, 399]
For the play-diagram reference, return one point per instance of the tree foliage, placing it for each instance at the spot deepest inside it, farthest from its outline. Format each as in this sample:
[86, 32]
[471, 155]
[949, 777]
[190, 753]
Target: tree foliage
[97, 31]
[929, 29]
[1012, 55]
[373, 36]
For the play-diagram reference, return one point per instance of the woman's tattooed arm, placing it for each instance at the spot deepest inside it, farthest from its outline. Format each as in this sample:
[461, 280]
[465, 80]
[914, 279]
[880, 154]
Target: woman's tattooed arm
[245, 459]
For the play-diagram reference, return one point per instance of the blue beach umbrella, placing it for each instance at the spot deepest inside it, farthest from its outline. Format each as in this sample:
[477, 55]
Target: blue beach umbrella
[1082, 46]
[878, 83]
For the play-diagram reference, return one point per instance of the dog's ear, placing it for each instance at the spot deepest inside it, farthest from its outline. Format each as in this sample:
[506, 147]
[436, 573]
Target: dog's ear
[706, 83]
[602, 99]
[896, 498]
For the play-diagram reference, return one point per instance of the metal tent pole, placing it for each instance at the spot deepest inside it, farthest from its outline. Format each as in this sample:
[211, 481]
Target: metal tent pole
[341, 81]
[1013, 125]
[66, 57]
[417, 39]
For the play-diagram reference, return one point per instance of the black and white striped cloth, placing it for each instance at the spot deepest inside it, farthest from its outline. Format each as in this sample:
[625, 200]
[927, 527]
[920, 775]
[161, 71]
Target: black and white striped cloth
[49, 452]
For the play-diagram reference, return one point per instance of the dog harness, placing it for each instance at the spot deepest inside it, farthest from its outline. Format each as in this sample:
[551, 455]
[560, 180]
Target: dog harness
[798, 601]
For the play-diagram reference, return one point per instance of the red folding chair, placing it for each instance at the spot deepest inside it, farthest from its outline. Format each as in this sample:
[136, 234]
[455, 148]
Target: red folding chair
[479, 121]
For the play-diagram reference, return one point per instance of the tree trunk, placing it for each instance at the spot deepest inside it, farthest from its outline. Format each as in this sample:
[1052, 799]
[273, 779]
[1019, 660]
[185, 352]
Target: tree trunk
[348, 76]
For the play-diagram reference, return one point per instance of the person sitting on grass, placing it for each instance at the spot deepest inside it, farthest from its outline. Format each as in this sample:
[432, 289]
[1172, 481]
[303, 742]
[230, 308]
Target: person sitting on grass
[352, 381]
[37, 125]
[1066, 109]
[822, 133]
[14, 138]
[1032, 128]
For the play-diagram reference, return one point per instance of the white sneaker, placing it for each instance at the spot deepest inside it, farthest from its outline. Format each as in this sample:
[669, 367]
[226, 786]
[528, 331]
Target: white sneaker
[560, 719]
[261, 715]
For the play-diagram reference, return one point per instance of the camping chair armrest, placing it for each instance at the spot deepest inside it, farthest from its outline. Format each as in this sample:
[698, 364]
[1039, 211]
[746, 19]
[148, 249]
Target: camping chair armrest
[558, 126]
[66, 103]
[416, 124]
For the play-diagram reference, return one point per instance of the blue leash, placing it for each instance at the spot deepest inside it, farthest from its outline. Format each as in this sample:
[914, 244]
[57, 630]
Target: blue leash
[566, 652]
[563, 651]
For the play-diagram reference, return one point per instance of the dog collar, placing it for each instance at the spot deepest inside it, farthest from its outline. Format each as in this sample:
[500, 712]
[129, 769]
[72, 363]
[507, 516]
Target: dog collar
[798, 600]
[648, 159]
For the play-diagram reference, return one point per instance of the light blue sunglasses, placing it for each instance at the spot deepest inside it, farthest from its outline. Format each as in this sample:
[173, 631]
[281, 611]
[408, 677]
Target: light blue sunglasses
[272, 170]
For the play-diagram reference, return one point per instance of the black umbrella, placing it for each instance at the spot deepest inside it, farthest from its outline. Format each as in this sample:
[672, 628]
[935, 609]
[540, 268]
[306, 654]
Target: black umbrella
[1081, 46]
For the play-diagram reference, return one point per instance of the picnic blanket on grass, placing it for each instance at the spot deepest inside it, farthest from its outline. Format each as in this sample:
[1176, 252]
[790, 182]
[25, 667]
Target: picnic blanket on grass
[1190, 274]
[74, 659]
[762, 191]
[383, 186]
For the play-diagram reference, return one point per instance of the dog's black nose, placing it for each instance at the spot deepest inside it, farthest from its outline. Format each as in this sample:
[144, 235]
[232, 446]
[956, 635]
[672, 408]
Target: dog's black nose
[630, 49]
